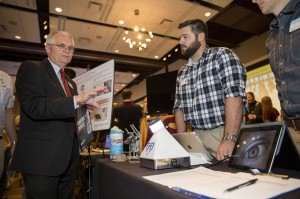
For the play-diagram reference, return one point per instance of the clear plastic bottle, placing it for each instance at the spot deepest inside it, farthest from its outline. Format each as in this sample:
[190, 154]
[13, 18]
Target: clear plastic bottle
[116, 142]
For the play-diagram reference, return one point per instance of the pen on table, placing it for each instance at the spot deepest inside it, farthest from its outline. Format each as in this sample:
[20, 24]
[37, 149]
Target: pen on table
[257, 172]
[250, 182]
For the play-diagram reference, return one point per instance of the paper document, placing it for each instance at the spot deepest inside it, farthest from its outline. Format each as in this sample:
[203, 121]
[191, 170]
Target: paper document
[209, 183]
[102, 75]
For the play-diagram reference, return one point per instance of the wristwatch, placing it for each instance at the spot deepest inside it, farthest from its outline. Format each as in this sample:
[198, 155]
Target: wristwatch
[229, 137]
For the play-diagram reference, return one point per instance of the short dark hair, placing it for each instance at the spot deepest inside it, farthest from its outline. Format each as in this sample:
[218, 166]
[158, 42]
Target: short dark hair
[251, 93]
[197, 26]
[126, 94]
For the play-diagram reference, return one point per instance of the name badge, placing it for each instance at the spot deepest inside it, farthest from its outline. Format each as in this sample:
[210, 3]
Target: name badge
[183, 82]
[295, 24]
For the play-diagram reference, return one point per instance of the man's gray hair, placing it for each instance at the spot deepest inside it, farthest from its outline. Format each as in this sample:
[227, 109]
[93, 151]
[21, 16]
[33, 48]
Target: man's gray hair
[51, 39]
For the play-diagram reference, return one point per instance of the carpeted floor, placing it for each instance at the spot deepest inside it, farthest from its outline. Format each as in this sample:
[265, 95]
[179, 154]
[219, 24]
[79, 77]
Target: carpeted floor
[16, 190]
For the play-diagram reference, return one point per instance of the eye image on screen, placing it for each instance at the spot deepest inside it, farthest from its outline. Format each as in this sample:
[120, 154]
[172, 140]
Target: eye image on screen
[253, 149]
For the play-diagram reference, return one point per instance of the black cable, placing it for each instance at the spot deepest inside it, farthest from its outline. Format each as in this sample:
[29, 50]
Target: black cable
[174, 163]
[217, 163]
[181, 166]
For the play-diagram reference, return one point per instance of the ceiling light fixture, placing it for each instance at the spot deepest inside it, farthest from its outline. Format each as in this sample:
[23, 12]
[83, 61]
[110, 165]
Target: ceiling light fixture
[207, 14]
[58, 9]
[139, 37]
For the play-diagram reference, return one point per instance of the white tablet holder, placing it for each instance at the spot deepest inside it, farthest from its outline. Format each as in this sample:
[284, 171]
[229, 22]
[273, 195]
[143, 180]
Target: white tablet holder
[163, 151]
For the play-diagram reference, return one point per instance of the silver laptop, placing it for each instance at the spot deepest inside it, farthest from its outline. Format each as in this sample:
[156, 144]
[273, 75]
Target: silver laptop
[192, 144]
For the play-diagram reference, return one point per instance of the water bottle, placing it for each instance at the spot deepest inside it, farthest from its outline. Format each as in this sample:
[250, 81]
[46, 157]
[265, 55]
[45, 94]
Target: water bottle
[116, 142]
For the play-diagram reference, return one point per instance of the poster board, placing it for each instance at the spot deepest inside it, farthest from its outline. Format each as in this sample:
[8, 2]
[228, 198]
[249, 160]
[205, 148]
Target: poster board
[102, 75]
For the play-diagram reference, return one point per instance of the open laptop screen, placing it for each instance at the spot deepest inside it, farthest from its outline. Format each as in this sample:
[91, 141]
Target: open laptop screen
[257, 146]
[192, 144]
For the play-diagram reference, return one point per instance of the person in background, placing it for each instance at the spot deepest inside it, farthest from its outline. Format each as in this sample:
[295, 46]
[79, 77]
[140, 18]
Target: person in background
[210, 90]
[254, 111]
[7, 100]
[47, 151]
[126, 114]
[12, 175]
[145, 107]
[269, 113]
[283, 45]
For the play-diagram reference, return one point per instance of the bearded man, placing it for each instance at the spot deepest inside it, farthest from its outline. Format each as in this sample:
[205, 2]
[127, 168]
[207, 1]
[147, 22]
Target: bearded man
[210, 90]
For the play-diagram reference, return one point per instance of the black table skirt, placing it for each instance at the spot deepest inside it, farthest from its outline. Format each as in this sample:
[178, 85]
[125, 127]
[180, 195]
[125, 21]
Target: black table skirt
[123, 180]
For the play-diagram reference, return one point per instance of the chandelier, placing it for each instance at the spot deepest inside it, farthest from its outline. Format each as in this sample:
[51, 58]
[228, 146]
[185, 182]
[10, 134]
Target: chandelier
[139, 37]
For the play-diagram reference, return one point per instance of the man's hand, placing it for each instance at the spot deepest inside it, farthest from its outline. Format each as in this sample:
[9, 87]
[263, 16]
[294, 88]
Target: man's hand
[89, 97]
[251, 116]
[225, 149]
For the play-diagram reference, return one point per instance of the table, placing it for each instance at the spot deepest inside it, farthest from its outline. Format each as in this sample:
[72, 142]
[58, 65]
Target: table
[124, 180]
[85, 170]
[112, 180]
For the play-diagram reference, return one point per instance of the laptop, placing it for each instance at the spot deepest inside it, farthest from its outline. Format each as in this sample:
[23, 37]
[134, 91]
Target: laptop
[192, 144]
[257, 146]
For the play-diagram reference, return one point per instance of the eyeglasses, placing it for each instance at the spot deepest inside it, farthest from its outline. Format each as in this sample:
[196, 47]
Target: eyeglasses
[64, 47]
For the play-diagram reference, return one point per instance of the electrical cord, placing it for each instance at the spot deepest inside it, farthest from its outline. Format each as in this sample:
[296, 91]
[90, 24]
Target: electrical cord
[176, 164]
[217, 163]
[181, 166]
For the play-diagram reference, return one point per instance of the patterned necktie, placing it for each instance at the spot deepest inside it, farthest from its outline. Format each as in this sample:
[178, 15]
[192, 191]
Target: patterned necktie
[63, 79]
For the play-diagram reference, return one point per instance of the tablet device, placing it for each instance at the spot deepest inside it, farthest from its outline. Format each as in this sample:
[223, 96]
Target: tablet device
[257, 145]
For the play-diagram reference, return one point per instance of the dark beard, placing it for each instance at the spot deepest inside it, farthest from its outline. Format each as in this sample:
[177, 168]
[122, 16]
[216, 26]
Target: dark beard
[192, 49]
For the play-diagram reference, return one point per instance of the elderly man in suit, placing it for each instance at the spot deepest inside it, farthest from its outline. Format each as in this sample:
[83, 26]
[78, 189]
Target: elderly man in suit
[47, 151]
